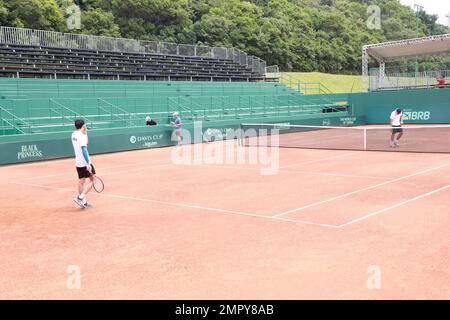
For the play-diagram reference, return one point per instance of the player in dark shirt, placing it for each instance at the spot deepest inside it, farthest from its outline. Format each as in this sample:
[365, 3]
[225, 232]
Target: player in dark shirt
[150, 122]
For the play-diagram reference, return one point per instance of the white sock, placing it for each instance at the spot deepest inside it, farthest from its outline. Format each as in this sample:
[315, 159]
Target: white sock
[81, 196]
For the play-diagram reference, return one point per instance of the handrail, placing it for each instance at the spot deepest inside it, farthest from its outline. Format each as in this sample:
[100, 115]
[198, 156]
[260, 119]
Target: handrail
[180, 107]
[63, 117]
[353, 85]
[317, 102]
[113, 105]
[69, 110]
[112, 114]
[247, 105]
[12, 125]
[14, 116]
[124, 112]
[3, 110]
[295, 84]
[326, 88]
[250, 96]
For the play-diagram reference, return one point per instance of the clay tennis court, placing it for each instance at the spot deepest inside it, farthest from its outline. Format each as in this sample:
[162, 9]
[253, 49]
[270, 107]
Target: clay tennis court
[208, 230]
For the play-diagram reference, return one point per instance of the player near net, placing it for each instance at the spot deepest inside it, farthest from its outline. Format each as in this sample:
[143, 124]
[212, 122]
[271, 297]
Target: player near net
[85, 169]
[396, 123]
[178, 130]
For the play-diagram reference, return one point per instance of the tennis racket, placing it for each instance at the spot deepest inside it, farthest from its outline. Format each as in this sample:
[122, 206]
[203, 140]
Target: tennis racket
[99, 186]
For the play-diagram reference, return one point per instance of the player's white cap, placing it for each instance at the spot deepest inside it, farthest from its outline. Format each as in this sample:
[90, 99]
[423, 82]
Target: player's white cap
[176, 114]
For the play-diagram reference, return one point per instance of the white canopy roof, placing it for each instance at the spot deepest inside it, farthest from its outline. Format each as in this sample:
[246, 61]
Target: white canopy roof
[387, 51]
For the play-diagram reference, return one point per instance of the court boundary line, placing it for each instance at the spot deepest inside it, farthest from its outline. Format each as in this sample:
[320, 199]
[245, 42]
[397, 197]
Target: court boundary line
[372, 214]
[360, 190]
[248, 214]
[277, 217]
[171, 163]
[343, 175]
[116, 172]
[333, 174]
[174, 204]
[103, 168]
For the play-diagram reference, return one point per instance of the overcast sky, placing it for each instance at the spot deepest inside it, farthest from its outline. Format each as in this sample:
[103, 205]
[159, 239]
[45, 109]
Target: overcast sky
[439, 7]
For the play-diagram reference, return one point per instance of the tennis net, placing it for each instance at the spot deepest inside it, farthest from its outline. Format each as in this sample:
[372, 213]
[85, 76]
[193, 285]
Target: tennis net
[424, 138]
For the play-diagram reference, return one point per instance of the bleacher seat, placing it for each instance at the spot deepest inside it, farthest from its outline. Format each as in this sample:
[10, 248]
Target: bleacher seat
[49, 62]
[48, 105]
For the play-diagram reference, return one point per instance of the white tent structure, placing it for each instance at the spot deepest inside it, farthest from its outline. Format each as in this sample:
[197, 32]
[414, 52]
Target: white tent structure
[394, 50]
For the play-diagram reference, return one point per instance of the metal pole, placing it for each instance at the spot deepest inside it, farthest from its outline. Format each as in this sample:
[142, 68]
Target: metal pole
[418, 9]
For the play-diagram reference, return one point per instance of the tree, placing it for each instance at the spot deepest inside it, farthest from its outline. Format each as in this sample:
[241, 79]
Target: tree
[3, 14]
[304, 35]
[100, 23]
[152, 19]
[214, 29]
[36, 14]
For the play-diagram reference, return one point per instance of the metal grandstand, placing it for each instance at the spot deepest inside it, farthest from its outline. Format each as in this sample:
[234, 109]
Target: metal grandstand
[28, 52]
[410, 49]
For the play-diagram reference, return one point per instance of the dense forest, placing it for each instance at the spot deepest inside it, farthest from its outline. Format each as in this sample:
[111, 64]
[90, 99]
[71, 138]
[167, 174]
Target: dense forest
[300, 35]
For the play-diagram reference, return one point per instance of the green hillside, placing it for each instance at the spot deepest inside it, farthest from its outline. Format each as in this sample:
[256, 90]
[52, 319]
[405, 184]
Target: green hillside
[334, 82]
[301, 35]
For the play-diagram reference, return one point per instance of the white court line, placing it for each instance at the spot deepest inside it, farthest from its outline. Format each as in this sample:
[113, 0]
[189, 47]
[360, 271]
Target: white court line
[298, 171]
[138, 163]
[394, 206]
[307, 222]
[339, 175]
[174, 204]
[226, 167]
[114, 172]
[319, 160]
[361, 190]
[102, 168]
[39, 163]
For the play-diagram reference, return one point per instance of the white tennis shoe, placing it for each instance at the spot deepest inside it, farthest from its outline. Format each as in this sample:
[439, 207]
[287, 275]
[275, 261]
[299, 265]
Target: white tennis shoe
[79, 202]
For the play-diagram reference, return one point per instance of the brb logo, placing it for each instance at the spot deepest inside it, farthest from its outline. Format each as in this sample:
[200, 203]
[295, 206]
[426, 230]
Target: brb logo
[416, 115]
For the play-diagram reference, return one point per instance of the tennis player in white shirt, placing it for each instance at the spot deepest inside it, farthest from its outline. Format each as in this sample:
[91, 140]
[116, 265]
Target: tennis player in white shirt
[396, 123]
[85, 169]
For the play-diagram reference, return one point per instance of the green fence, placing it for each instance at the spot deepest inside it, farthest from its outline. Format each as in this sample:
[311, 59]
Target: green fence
[428, 106]
[52, 105]
[39, 128]
[35, 147]
[37, 115]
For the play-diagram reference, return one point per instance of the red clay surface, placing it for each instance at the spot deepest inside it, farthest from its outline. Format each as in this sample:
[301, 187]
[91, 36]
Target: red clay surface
[221, 231]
